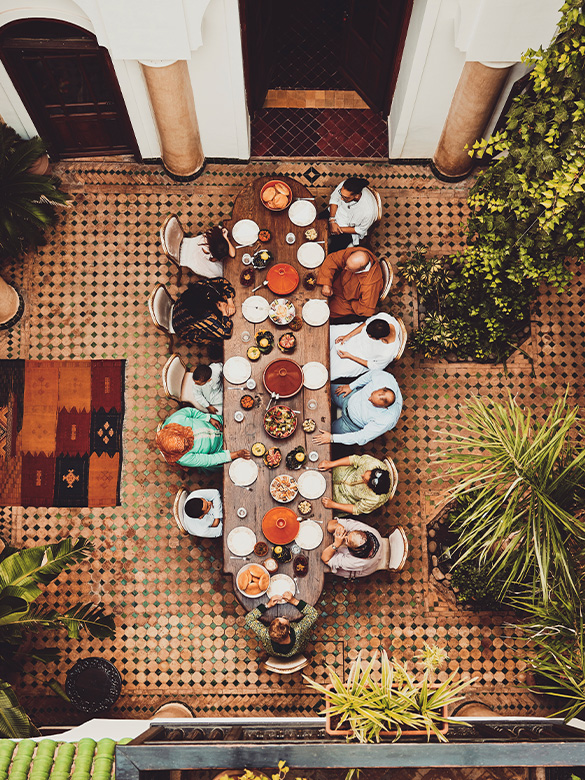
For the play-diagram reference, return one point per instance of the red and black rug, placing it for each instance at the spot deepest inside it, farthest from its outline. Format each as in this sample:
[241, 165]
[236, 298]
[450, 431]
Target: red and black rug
[61, 432]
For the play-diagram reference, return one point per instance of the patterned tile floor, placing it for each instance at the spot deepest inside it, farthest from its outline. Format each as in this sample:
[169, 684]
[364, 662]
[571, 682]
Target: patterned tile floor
[180, 629]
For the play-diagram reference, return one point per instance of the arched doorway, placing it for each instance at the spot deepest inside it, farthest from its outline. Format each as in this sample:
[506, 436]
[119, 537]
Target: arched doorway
[68, 85]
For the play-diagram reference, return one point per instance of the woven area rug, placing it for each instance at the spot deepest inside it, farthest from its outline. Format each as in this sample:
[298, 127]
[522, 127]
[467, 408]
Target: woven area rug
[61, 432]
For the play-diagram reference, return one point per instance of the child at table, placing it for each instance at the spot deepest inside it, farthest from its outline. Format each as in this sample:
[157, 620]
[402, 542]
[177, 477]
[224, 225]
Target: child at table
[205, 389]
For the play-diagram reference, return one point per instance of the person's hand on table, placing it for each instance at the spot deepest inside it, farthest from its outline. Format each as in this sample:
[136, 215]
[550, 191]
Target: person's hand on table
[325, 465]
[343, 354]
[212, 410]
[227, 308]
[334, 227]
[241, 454]
[326, 290]
[343, 390]
[341, 339]
[273, 601]
[216, 424]
[289, 598]
[323, 437]
[327, 502]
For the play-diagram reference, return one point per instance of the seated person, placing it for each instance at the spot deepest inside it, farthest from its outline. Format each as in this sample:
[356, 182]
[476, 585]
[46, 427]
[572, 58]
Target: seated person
[203, 513]
[281, 637]
[353, 209]
[370, 407]
[356, 549]
[361, 484]
[203, 388]
[203, 313]
[204, 254]
[373, 344]
[194, 439]
[352, 280]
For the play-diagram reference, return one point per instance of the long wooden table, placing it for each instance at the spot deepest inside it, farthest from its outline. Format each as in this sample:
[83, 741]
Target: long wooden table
[312, 344]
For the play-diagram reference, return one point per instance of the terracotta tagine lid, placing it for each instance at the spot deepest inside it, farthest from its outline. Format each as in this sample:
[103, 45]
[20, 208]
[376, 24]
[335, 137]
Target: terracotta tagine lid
[280, 525]
[283, 376]
[282, 279]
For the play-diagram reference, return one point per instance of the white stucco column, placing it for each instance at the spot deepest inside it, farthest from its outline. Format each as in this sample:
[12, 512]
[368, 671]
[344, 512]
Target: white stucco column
[473, 103]
[11, 305]
[171, 97]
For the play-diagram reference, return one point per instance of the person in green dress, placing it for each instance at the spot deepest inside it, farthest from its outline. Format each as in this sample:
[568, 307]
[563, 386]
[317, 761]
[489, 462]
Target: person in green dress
[281, 637]
[361, 484]
[194, 439]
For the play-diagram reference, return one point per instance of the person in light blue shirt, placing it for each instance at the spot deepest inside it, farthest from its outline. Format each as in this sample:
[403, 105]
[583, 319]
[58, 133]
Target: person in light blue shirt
[370, 407]
[203, 513]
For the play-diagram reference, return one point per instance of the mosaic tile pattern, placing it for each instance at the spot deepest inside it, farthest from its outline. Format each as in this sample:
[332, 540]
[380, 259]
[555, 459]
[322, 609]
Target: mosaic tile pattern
[180, 628]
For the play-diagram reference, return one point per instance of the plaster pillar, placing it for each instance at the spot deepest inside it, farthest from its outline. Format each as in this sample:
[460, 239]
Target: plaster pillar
[171, 97]
[11, 305]
[473, 103]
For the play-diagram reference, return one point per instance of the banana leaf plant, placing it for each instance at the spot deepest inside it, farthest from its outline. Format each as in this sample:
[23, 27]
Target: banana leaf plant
[525, 485]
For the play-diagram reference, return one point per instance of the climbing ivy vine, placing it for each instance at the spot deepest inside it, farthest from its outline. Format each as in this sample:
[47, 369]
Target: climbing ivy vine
[528, 213]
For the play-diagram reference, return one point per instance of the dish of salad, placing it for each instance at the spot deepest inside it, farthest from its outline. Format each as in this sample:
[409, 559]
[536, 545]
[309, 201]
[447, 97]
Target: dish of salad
[280, 422]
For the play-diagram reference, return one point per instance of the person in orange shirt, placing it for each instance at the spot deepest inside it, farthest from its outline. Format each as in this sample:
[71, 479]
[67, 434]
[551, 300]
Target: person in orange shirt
[352, 280]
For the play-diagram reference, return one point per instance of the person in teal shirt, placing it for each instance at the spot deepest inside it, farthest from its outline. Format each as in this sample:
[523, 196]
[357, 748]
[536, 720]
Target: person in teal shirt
[194, 439]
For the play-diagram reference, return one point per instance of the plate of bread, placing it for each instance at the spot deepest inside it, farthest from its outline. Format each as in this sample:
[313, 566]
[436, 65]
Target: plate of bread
[252, 580]
[276, 195]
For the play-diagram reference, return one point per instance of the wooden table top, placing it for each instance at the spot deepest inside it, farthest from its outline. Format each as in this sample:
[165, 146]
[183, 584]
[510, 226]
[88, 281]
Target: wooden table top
[312, 344]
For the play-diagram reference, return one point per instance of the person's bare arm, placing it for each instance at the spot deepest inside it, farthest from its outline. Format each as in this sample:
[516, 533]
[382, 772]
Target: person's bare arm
[328, 503]
[325, 465]
[348, 356]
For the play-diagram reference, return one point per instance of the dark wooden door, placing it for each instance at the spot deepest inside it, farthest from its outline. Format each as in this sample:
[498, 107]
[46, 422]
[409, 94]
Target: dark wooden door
[374, 33]
[70, 90]
[258, 29]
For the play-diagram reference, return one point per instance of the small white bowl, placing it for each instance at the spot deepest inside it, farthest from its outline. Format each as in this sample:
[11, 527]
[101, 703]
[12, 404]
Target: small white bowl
[312, 404]
[246, 259]
[238, 416]
[290, 238]
[251, 384]
[242, 512]
[245, 336]
[314, 456]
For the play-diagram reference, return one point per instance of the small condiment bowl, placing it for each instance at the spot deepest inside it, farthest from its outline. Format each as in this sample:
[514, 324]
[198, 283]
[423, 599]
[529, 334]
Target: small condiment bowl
[247, 259]
[290, 238]
[242, 512]
[238, 416]
[313, 456]
[251, 384]
[312, 404]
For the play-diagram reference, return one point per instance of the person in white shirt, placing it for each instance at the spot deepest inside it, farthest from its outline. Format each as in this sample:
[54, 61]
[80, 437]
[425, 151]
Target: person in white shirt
[370, 407]
[372, 344]
[356, 550]
[352, 211]
[204, 254]
[203, 513]
[205, 389]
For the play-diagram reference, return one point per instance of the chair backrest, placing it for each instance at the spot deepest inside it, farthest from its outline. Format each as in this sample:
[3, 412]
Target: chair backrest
[171, 237]
[388, 275]
[403, 337]
[160, 306]
[178, 505]
[173, 373]
[378, 201]
[398, 549]
[391, 466]
[286, 665]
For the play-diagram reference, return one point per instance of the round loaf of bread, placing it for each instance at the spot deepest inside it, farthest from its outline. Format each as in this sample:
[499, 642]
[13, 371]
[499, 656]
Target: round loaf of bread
[282, 188]
[244, 579]
[255, 570]
[279, 201]
[264, 581]
[253, 589]
[268, 194]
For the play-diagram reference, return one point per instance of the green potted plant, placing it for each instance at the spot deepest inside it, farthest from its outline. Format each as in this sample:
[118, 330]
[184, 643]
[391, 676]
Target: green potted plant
[398, 704]
[254, 774]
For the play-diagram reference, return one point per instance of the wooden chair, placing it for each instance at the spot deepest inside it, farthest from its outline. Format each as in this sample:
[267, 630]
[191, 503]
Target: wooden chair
[388, 275]
[395, 551]
[171, 238]
[390, 465]
[403, 338]
[160, 306]
[285, 665]
[178, 505]
[173, 374]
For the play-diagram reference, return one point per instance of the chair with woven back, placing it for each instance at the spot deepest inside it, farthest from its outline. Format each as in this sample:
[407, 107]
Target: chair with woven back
[178, 506]
[171, 239]
[395, 551]
[285, 665]
[388, 275]
[160, 307]
[173, 377]
[403, 338]
[390, 465]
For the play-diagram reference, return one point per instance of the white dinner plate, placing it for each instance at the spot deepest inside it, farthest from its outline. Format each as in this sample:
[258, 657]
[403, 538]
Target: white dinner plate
[314, 375]
[237, 369]
[302, 213]
[310, 535]
[310, 255]
[243, 472]
[255, 308]
[316, 312]
[245, 232]
[241, 540]
[311, 484]
[279, 584]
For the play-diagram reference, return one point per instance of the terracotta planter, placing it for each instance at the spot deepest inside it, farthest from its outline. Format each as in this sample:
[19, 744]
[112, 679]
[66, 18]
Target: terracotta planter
[333, 732]
[41, 166]
[237, 773]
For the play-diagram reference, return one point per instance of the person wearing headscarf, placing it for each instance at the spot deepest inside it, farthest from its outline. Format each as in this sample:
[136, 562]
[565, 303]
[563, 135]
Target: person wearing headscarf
[203, 313]
[361, 484]
[356, 550]
[193, 439]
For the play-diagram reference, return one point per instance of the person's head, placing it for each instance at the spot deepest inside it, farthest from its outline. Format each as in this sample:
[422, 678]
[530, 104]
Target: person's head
[218, 246]
[356, 539]
[279, 630]
[357, 260]
[202, 374]
[378, 329]
[382, 398]
[378, 480]
[351, 189]
[197, 507]
[174, 441]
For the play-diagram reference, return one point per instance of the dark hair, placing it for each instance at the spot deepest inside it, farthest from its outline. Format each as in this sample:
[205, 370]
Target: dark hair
[202, 373]
[378, 329]
[379, 481]
[218, 246]
[355, 185]
[278, 629]
[194, 507]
